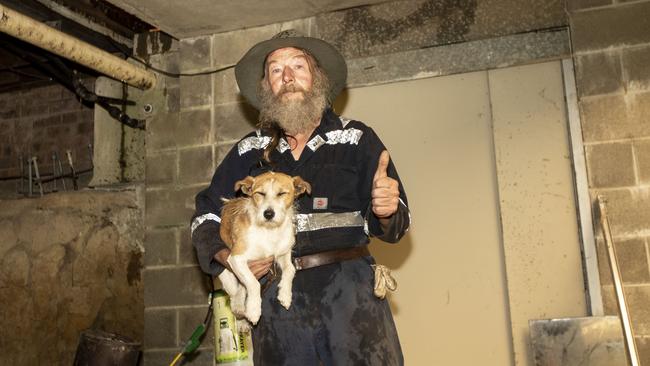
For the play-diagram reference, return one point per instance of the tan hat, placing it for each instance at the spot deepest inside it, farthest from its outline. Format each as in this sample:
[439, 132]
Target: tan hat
[250, 69]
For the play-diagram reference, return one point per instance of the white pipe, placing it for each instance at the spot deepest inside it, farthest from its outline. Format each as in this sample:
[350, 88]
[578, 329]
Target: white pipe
[55, 41]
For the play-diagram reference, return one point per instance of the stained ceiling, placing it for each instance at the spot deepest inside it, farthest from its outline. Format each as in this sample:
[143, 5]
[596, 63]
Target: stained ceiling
[183, 19]
[111, 25]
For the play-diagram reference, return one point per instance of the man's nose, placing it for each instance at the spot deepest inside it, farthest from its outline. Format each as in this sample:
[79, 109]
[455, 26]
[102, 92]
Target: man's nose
[287, 75]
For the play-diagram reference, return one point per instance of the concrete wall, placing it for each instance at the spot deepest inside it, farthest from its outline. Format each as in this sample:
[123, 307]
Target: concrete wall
[611, 42]
[68, 262]
[38, 122]
[204, 116]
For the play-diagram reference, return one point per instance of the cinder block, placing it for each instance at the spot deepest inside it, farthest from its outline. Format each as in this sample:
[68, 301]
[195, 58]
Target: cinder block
[195, 54]
[610, 165]
[160, 247]
[639, 112]
[151, 43]
[194, 128]
[609, 300]
[229, 47]
[604, 118]
[173, 99]
[160, 327]
[585, 4]
[635, 62]
[633, 261]
[160, 357]
[642, 152]
[226, 89]
[638, 298]
[643, 348]
[174, 287]
[604, 268]
[170, 207]
[628, 210]
[168, 62]
[186, 254]
[160, 133]
[161, 168]
[233, 121]
[615, 117]
[598, 73]
[196, 165]
[196, 91]
[189, 319]
[627, 24]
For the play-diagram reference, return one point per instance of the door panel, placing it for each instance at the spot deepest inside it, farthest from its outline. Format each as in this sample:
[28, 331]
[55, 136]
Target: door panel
[451, 305]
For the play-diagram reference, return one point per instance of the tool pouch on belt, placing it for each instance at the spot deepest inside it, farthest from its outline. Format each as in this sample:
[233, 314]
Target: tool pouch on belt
[383, 280]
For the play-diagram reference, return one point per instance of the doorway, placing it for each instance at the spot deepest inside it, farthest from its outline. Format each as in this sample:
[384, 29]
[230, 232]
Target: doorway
[485, 161]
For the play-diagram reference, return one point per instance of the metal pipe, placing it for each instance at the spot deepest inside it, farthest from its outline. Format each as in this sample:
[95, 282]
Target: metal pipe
[64, 45]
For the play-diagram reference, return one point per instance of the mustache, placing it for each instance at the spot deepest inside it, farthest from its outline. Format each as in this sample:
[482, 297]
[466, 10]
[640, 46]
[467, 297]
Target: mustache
[290, 88]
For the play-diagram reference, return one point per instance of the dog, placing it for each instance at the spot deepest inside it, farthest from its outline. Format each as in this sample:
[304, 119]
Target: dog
[255, 226]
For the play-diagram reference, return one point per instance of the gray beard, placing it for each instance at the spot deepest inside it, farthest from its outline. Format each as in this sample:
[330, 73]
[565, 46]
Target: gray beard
[293, 116]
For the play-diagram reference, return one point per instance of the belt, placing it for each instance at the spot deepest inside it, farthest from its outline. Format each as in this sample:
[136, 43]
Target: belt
[329, 257]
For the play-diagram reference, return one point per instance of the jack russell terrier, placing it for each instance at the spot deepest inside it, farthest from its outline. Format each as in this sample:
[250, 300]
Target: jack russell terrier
[258, 226]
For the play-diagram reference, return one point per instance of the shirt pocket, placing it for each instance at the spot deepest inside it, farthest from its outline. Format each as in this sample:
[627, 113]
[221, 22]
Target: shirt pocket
[337, 183]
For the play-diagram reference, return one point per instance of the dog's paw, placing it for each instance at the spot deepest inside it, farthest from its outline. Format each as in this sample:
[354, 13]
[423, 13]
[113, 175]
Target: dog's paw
[238, 304]
[253, 316]
[284, 296]
[253, 310]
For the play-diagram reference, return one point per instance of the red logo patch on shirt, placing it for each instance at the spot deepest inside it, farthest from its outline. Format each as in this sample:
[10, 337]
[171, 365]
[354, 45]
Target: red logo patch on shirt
[320, 203]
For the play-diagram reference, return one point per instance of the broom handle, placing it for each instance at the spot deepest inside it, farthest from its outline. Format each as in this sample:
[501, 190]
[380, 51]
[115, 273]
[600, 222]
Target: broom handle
[628, 338]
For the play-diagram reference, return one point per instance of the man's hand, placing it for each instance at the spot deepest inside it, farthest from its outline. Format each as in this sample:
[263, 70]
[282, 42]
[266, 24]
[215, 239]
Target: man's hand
[385, 190]
[258, 267]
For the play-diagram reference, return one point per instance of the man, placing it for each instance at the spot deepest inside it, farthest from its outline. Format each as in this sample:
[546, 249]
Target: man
[334, 319]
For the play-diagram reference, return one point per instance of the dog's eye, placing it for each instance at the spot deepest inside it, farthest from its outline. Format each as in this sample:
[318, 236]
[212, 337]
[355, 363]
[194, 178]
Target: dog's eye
[281, 193]
[261, 194]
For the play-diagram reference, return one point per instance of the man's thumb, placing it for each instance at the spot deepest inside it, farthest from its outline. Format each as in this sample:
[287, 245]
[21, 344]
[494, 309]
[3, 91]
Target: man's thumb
[382, 165]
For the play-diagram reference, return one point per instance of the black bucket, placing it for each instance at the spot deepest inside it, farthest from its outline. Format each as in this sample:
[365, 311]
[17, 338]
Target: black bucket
[99, 348]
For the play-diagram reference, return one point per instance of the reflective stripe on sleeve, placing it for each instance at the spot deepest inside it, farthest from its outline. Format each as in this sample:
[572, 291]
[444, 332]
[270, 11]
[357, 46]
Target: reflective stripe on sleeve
[203, 218]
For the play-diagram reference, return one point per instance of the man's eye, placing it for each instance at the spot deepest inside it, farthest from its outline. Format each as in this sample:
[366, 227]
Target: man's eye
[261, 194]
[275, 71]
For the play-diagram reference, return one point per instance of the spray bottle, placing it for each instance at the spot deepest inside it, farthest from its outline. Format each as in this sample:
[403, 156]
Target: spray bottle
[232, 348]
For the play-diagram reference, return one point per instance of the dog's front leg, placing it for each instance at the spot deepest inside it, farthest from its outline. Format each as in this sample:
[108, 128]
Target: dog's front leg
[239, 265]
[236, 292]
[286, 281]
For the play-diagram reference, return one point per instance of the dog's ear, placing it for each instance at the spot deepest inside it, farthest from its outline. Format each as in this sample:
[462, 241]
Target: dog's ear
[246, 185]
[301, 186]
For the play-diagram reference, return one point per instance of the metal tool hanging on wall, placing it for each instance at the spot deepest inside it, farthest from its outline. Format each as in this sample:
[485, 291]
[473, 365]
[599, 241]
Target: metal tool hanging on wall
[34, 177]
[628, 335]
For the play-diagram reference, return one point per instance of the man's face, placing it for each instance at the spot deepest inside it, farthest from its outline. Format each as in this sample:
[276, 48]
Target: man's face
[288, 73]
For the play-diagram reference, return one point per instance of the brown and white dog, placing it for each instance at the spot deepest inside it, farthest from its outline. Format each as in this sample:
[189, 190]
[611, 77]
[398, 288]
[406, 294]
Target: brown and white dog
[258, 226]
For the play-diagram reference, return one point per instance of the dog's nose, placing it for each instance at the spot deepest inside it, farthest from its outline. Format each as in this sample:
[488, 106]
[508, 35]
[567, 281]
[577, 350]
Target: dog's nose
[268, 214]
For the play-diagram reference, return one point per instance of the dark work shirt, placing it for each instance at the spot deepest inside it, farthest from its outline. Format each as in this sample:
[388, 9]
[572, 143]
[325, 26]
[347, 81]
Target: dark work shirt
[339, 161]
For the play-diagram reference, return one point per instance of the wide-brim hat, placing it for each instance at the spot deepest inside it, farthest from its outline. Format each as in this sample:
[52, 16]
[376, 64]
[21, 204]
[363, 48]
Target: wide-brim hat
[250, 69]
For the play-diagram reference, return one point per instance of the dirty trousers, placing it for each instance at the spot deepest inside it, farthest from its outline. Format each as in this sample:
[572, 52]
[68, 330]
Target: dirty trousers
[334, 319]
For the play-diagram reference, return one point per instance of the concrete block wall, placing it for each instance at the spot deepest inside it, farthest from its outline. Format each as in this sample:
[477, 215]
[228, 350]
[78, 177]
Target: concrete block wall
[611, 43]
[37, 122]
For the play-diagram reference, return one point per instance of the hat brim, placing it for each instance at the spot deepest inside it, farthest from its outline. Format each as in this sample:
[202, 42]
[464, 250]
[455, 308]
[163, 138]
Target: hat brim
[250, 69]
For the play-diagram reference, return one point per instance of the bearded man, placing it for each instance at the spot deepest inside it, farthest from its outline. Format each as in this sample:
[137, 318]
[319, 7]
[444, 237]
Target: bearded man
[335, 317]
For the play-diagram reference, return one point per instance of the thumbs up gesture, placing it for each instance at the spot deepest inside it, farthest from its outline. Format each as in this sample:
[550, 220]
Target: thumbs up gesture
[385, 190]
